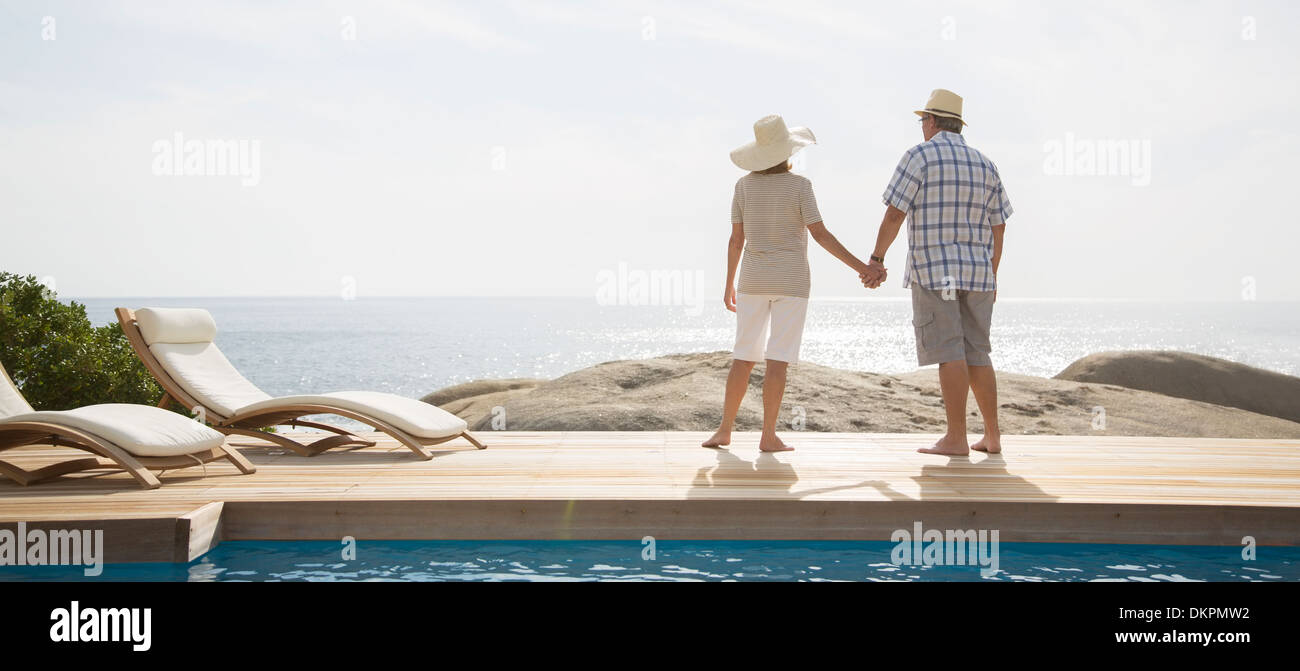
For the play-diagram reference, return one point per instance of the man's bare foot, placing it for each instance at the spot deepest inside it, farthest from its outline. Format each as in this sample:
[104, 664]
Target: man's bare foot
[949, 445]
[773, 444]
[719, 439]
[987, 444]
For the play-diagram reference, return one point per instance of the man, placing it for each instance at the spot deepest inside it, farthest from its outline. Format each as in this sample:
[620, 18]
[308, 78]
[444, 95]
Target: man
[956, 209]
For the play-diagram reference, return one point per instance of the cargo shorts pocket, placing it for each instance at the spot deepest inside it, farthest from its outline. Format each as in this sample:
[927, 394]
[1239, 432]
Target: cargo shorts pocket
[925, 331]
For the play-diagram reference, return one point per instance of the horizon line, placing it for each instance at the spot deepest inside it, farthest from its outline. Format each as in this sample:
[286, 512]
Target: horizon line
[836, 299]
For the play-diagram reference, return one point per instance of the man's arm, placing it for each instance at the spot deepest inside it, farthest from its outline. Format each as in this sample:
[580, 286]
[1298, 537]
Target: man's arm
[889, 227]
[832, 244]
[998, 232]
[734, 247]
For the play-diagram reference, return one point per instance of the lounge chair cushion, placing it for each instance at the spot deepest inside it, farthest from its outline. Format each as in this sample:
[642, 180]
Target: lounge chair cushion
[207, 375]
[175, 325]
[417, 418]
[142, 430]
[11, 400]
[181, 340]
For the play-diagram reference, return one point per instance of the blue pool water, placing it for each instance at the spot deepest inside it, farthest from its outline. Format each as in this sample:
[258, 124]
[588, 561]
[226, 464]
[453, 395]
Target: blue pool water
[684, 561]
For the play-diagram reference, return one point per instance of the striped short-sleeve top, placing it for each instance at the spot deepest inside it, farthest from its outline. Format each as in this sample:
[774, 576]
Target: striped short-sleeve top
[776, 211]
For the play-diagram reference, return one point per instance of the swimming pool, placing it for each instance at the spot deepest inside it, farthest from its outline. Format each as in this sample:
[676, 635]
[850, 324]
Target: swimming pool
[682, 561]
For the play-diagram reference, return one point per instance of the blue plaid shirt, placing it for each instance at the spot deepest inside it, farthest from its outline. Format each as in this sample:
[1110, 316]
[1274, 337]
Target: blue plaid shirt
[953, 198]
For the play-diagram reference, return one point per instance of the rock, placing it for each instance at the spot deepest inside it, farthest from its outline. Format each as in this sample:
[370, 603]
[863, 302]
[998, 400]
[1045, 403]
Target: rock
[477, 399]
[683, 392]
[1195, 377]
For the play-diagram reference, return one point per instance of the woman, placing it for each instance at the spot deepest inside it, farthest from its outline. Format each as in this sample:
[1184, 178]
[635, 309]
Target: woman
[772, 212]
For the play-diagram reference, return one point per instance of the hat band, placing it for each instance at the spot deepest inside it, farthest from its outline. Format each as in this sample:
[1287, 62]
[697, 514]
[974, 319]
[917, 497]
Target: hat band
[931, 109]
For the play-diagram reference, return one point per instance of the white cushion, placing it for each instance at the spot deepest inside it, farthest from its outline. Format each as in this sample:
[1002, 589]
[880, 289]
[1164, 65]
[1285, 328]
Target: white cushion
[11, 400]
[175, 325]
[142, 430]
[207, 375]
[417, 418]
[181, 340]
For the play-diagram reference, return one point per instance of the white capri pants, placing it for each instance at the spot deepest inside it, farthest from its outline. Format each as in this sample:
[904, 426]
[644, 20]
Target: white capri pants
[757, 314]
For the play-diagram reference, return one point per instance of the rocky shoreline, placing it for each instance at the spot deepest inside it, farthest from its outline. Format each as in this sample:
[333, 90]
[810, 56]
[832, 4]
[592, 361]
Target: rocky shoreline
[1114, 393]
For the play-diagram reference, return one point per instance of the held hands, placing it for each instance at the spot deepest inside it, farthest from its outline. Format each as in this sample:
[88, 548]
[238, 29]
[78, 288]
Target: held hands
[874, 275]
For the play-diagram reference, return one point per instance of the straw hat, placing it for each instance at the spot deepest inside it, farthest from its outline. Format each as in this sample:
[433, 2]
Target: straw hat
[773, 143]
[943, 103]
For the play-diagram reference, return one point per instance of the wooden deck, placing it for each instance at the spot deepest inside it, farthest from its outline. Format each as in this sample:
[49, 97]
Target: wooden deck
[629, 485]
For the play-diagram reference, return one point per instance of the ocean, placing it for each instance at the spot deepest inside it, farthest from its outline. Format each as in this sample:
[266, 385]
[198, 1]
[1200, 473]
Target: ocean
[412, 346]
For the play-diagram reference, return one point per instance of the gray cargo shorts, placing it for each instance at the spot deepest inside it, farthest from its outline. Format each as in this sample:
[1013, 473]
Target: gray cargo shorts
[952, 330]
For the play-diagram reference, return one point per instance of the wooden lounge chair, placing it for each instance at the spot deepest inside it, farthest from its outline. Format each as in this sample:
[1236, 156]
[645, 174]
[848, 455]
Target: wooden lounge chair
[134, 438]
[176, 346]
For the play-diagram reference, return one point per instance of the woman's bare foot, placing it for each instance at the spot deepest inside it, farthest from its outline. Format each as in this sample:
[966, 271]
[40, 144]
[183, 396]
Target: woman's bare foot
[719, 439]
[992, 445]
[951, 445]
[773, 444]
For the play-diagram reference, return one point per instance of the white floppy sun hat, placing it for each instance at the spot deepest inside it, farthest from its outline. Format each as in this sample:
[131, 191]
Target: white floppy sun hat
[773, 143]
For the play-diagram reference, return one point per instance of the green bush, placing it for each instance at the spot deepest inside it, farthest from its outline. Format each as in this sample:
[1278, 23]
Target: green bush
[58, 359]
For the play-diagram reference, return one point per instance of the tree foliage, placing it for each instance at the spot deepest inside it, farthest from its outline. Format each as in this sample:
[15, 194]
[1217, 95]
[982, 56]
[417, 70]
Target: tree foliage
[58, 359]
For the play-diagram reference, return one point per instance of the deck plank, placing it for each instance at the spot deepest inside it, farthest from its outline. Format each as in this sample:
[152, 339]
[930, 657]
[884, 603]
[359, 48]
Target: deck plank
[1057, 485]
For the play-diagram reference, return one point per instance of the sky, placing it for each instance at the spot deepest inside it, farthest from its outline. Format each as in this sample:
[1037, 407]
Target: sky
[539, 148]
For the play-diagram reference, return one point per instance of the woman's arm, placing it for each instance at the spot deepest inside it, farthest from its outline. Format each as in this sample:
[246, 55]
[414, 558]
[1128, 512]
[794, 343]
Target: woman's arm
[734, 247]
[832, 245]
